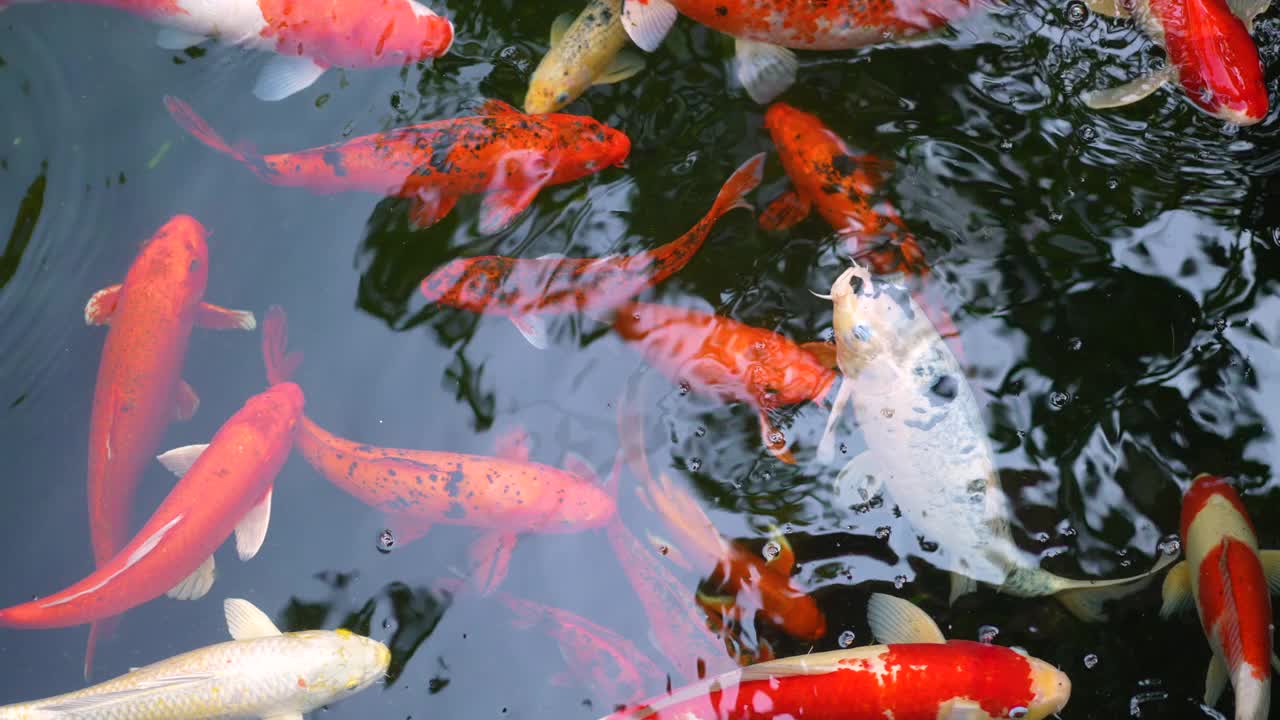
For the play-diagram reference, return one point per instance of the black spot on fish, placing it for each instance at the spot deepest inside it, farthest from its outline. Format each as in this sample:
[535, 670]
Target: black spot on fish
[843, 164]
[721, 10]
[943, 390]
[453, 485]
[831, 189]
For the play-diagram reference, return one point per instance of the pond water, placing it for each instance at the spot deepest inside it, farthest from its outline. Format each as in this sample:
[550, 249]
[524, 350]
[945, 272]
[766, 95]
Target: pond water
[1110, 274]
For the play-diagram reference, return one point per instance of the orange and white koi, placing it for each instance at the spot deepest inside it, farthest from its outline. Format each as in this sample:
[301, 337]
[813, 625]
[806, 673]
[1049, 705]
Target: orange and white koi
[502, 153]
[1230, 581]
[225, 486]
[721, 356]
[916, 675]
[139, 388]
[308, 36]
[764, 29]
[419, 488]
[525, 290]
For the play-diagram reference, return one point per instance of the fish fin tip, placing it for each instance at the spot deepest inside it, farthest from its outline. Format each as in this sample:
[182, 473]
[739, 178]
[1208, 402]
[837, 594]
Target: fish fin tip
[186, 403]
[180, 459]
[534, 328]
[102, 305]
[647, 22]
[1176, 594]
[785, 211]
[1130, 92]
[625, 66]
[894, 620]
[559, 26]
[429, 207]
[490, 558]
[1270, 560]
[285, 75]
[961, 585]
[245, 621]
[216, 317]
[197, 584]
[1215, 681]
[175, 39]
[251, 532]
[765, 70]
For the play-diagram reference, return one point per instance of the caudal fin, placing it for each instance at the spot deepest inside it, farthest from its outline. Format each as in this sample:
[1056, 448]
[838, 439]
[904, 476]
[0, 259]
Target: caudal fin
[742, 181]
[1085, 598]
[281, 365]
[196, 125]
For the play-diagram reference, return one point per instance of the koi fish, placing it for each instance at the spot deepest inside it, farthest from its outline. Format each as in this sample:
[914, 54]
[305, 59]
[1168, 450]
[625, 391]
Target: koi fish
[927, 443]
[917, 674]
[419, 488]
[721, 356]
[526, 289]
[829, 177]
[308, 36]
[502, 153]
[764, 29]
[225, 486]
[1211, 54]
[585, 51]
[139, 387]
[260, 673]
[606, 661]
[1227, 578]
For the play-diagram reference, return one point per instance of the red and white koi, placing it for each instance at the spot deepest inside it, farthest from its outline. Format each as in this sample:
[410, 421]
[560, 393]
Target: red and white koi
[1230, 581]
[916, 675]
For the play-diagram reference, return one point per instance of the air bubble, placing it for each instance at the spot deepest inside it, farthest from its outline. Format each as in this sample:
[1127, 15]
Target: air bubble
[684, 388]
[987, 634]
[846, 638]
[1170, 545]
[772, 549]
[1074, 344]
[700, 432]
[882, 532]
[900, 581]
[386, 541]
[695, 464]
[1058, 400]
[1090, 661]
[1077, 13]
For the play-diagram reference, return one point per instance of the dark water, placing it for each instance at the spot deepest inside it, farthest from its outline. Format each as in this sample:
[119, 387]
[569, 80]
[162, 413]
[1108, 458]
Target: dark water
[1112, 275]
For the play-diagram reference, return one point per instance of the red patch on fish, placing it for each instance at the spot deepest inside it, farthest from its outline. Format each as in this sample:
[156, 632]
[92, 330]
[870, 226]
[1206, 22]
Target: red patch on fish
[1217, 59]
[1204, 489]
[355, 33]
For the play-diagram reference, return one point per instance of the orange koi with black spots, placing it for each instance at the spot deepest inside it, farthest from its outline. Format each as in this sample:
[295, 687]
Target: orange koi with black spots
[504, 154]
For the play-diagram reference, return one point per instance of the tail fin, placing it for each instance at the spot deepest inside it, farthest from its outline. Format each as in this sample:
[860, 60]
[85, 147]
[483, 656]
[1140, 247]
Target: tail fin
[744, 180]
[194, 124]
[280, 365]
[1085, 598]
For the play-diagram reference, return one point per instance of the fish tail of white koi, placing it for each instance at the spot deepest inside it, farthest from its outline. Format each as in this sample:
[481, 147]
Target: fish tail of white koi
[1086, 598]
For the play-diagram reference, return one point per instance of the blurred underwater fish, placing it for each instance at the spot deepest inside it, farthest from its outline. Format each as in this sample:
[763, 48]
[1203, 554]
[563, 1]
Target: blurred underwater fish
[1210, 53]
[584, 51]
[308, 36]
[260, 673]
[139, 388]
[827, 177]
[525, 290]
[502, 153]
[1230, 582]
[502, 496]
[225, 486]
[597, 656]
[764, 29]
[720, 356]
[915, 675]
[927, 444]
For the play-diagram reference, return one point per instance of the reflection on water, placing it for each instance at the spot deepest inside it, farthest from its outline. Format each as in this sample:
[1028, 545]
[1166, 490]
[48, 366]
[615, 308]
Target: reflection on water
[1112, 275]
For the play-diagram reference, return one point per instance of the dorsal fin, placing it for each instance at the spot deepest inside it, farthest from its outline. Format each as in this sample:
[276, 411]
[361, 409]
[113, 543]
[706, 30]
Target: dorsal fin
[246, 622]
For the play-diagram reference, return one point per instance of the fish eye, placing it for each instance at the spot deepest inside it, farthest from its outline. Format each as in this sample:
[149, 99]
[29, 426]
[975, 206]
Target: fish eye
[1018, 712]
[562, 97]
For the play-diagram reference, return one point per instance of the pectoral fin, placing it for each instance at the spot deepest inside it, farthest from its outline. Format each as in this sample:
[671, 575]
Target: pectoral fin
[1130, 92]
[894, 620]
[491, 559]
[625, 65]
[252, 530]
[500, 207]
[1271, 568]
[534, 329]
[180, 459]
[1108, 8]
[429, 207]
[186, 402]
[1215, 681]
[102, 305]
[786, 211]
[559, 26]
[764, 70]
[246, 622]
[648, 21]
[827, 446]
[1176, 592]
[197, 584]
[861, 479]
[825, 352]
[284, 75]
[214, 317]
[961, 585]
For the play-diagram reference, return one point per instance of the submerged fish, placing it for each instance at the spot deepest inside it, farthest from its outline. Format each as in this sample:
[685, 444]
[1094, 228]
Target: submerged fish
[260, 673]
[1211, 54]
[927, 444]
[597, 656]
[308, 36]
[225, 486]
[916, 675]
[828, 177]
[525, 290]
[420, 488]
[1227, 578]
[139, 388]
[585, 51]
[504, 154]
[720, 356]
[764, 29]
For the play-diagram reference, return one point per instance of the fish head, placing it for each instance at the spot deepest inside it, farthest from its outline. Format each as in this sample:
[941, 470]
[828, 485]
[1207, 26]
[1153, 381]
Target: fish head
[342, 662]
[555, 84]
[866, 318]
[1051, 689]
[587, 146]
[784, 121]
[466, 283]
[410, 32]
[176, 257]
[275, 411]
[1222, 74]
